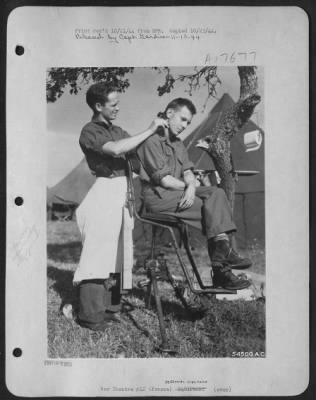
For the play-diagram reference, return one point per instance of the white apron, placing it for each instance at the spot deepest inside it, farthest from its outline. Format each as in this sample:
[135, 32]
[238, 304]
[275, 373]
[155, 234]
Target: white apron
[106, 231]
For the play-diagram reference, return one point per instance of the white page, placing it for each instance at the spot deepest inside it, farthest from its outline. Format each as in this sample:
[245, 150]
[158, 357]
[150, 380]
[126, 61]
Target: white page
[276, 39]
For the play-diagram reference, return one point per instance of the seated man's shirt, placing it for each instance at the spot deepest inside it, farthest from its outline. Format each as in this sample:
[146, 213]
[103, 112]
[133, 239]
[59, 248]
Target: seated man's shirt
[210, 212]
[160, 157]
[93, 136]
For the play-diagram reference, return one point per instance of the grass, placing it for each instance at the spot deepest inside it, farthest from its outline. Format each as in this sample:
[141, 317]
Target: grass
[226, 327]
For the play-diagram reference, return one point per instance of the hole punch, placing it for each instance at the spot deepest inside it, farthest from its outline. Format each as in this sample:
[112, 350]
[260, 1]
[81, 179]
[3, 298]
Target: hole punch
[18, 201]
[17, 352]
[19, 50]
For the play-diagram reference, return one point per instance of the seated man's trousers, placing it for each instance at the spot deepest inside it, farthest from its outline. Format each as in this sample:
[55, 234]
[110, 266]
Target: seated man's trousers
[210, 212]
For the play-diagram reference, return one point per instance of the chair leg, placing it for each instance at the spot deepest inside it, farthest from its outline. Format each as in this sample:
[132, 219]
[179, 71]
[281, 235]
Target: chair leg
[178, 291]
[165, 346]
[153, 241]
[204, 289]
[191, 258]
[148, 296]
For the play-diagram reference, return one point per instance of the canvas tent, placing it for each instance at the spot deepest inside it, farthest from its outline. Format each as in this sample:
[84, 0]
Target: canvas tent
[249, 202]
[65, 196]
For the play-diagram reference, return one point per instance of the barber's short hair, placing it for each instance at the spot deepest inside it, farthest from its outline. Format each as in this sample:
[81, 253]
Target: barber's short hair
[98, 93]
[181, 102]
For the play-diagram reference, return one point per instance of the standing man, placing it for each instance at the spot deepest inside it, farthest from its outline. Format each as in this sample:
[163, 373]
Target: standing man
[101, 213]
[170, 188]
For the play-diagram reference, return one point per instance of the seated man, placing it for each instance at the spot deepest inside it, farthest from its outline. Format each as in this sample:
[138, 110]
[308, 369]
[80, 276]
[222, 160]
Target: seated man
[170, 188]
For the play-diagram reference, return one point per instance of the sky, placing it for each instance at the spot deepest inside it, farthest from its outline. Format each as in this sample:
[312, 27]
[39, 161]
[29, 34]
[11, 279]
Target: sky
[139, 105]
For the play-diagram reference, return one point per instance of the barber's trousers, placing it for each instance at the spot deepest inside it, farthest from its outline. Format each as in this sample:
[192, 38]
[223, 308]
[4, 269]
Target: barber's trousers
[97, 296]
[102, 221]
[210, 212]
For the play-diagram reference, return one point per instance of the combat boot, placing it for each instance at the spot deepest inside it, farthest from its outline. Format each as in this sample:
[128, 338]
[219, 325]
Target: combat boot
[220, 254]
[223, 277]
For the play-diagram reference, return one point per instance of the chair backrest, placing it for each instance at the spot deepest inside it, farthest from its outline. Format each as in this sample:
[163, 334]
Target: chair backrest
[131, 198]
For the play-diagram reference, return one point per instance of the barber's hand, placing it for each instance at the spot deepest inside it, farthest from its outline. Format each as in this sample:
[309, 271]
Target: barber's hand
[187, 199]
[158, 122]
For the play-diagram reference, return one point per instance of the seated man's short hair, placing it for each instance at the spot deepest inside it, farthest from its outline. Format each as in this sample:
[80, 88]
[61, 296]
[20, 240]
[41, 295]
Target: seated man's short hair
[181, 102]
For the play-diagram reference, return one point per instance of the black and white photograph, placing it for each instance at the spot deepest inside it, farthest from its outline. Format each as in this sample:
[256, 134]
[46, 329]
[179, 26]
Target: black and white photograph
[189, 279]
[157, 236]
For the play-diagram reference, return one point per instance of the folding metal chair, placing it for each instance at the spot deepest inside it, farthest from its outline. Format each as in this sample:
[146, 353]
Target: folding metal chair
[156, 265]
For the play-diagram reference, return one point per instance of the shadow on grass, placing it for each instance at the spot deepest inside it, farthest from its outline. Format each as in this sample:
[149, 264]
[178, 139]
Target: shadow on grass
[63, 285]
[64, 252]
[170, 307]
[137, 324]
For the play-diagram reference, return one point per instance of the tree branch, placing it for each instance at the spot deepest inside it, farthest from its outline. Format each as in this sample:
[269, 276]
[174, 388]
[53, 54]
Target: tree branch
[72, 79]
[194, 81]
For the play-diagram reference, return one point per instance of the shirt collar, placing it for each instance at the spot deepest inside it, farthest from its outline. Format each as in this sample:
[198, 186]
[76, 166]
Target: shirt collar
[105, 123]
[164, 138]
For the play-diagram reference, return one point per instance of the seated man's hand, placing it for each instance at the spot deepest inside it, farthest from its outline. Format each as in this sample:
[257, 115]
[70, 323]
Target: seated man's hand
[188, 198]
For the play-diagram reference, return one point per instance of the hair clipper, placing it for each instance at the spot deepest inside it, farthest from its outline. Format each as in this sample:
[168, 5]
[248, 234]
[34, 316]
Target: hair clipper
[161, 130]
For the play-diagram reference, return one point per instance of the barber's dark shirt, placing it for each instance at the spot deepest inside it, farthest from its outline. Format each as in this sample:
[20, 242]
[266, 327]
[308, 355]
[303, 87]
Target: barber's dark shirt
[93, 136]
[160, 156]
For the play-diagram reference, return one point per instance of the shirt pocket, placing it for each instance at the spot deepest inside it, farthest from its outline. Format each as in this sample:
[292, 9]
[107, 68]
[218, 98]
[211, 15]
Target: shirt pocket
[168, 151]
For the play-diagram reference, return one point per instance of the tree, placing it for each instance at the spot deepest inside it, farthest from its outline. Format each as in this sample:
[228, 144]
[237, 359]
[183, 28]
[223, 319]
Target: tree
[60, 79]
[217, 143]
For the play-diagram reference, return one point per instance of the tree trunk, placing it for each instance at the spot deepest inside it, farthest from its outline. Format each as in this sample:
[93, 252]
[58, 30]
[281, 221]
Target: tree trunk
[228, 125]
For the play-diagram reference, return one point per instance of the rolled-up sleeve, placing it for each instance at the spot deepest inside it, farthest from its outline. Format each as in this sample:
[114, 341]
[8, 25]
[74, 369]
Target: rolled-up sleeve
[92, 140]
[153, 160]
